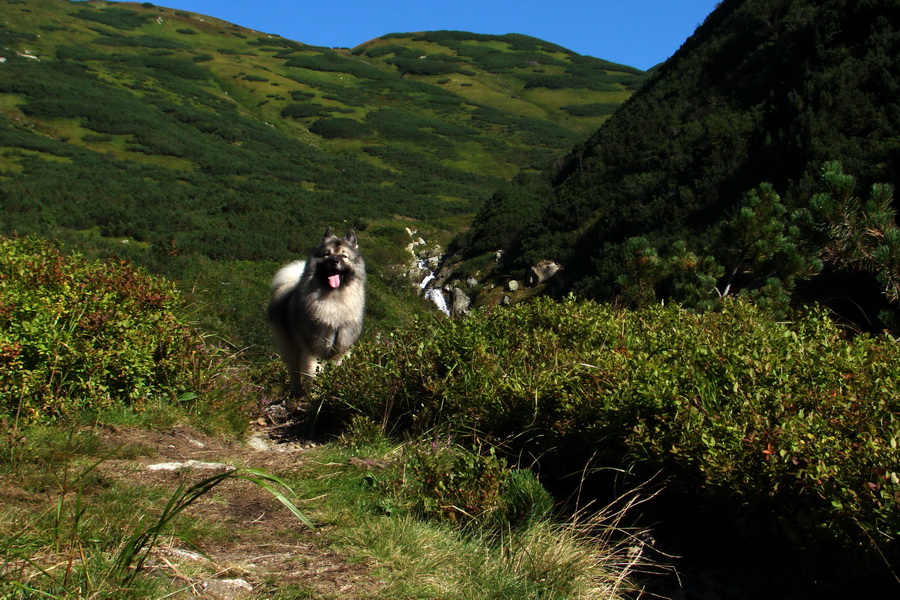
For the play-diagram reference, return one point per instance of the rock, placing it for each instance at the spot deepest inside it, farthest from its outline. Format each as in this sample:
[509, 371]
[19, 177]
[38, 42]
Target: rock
[260, 442]
[505, 301]
[189, 464]
[471, 282]
[542, 271]
[459, 302]
[225, 589]
[276, 413]
[512, 285]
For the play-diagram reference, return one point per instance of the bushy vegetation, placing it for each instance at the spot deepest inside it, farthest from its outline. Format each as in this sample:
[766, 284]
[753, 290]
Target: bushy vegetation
[120, 18]
[437, 478]
[339, 127]
[303, 111]
[595, 109]
[329, 61]
[76, 335]
[84, 337]
[730, 404]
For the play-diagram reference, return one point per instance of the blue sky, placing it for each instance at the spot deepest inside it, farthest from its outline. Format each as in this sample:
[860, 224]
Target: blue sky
[638, 33]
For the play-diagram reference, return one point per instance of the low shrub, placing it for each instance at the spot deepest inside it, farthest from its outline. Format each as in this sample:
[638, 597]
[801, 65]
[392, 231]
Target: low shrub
[340, 127]
[729, 403]
[332, 62]
[429, 66]
[594, 109]
[78, 335]
[120, 18]
[446, 481]
[303, 110]
[438, 479]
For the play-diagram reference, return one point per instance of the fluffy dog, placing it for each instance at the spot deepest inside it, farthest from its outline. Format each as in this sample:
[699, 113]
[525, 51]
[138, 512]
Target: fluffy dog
[316, 310]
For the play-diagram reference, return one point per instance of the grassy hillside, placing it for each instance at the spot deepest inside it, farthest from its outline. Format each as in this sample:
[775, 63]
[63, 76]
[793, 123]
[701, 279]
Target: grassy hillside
[186, 143]
[657, 202]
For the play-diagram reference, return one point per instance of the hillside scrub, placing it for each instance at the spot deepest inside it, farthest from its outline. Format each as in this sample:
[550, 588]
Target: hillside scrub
[730, 404]
[79, 335]
[677, 161]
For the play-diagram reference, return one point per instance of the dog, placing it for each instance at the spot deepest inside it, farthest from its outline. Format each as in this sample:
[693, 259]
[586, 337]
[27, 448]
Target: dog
[316, 307]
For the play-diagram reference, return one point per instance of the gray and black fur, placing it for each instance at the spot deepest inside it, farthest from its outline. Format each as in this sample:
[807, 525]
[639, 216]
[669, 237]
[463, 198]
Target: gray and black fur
[316, 310]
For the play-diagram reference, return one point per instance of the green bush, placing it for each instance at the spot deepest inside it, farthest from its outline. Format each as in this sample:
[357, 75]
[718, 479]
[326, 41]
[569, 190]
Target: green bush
[446, 481]
[301, 111]
[558, 82]
[730, 403]
[436, 478]
[340, 127]
[424, 66]
[83, 335]
[526, 501]
[120, 18]
[594, 109]
[331, 62]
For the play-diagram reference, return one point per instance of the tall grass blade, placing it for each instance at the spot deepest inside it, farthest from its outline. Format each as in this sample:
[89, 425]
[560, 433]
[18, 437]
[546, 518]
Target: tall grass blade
[135, 552]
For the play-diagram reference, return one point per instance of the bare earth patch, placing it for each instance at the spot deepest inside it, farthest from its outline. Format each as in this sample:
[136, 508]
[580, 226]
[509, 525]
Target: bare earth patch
[267, 548]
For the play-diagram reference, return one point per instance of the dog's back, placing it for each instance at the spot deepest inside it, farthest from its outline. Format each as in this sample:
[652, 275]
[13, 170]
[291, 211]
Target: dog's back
[286, 279]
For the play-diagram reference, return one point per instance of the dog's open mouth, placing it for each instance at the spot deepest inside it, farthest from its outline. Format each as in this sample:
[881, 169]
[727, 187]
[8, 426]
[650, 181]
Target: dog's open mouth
[334, 281]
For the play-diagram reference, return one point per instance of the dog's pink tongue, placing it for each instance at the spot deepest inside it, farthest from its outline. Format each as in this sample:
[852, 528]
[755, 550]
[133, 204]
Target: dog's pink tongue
[334, 281]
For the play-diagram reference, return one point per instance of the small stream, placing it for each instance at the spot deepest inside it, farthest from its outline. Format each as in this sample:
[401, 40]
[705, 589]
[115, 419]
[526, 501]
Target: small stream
[435, 295]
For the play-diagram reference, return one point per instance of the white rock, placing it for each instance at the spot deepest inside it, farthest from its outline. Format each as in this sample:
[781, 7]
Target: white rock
[226, 589]
[188, 464]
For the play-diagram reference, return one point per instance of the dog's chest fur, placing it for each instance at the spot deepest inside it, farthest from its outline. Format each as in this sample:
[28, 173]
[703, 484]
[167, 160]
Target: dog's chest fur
[333, 308]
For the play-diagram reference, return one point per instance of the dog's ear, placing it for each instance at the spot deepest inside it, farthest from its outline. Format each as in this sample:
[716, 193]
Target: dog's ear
[351, 238]
[328, 234]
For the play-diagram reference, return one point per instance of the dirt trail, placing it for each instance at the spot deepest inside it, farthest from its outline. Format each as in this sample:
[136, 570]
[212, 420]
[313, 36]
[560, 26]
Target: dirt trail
[268, 547]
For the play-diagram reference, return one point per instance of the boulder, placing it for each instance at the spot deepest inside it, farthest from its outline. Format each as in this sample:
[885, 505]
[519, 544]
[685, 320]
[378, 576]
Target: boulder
[459, 302]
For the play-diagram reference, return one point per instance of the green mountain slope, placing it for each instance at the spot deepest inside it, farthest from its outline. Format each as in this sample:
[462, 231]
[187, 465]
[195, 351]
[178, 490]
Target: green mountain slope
[198, 140]
[764, 91]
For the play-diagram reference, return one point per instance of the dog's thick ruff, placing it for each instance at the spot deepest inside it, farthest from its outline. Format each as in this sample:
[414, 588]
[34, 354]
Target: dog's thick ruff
[316, 310]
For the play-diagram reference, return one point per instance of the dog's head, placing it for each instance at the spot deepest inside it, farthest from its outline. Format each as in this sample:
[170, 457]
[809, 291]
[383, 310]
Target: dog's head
[337, 259]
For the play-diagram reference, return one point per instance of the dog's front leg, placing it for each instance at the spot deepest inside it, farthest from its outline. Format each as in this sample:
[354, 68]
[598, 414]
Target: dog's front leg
[304, 371]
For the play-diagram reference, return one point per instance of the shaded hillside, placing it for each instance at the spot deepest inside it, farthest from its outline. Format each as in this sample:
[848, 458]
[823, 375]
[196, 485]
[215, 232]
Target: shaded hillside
[764, 91]
[198, 140]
